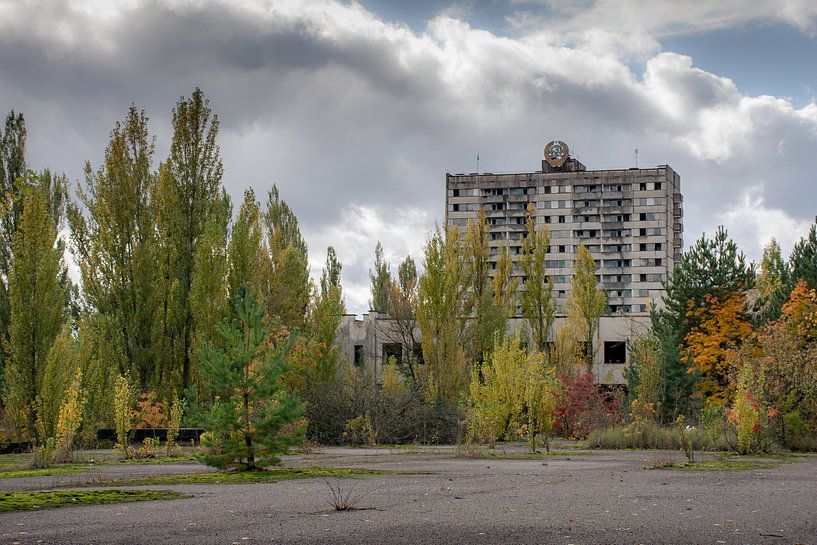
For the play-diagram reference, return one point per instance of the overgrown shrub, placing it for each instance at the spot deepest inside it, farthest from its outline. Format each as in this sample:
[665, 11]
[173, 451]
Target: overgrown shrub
[174, 422]
[69, 419]
[653, 436]
[398, 413]
[123, 397]
[585, 407]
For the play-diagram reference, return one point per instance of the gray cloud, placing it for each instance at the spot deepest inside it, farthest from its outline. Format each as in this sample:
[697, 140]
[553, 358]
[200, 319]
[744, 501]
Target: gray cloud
[358, 120]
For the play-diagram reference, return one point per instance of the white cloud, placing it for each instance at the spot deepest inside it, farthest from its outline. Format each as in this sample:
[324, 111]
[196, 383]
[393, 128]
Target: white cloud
[753, 225]
[402, 231]
[661, 18]
[357, 120]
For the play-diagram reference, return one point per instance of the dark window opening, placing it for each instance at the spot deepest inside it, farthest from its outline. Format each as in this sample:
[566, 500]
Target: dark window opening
[358, 354]
[392, 350]
[615, 352]
[417, 353]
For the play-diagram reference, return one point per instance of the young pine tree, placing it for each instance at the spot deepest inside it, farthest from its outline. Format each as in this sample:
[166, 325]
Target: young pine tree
[251, 410]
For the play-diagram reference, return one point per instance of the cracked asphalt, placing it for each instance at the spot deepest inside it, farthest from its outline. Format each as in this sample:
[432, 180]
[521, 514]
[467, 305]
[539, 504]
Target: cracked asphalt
[581, 497]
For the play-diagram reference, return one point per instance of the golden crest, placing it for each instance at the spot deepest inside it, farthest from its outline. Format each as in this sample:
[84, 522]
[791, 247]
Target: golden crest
[556, 153]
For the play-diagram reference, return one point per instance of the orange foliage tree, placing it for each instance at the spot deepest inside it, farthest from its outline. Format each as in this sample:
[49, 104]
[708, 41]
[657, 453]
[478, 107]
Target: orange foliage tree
[800, 313]
[724, 326]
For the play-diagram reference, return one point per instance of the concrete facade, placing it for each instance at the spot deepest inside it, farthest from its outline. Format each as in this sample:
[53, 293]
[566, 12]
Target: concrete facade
[630, 219]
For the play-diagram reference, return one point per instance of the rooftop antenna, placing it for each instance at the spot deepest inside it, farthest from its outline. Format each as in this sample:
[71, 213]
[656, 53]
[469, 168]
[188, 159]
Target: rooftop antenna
[635, 156]
[477, 162]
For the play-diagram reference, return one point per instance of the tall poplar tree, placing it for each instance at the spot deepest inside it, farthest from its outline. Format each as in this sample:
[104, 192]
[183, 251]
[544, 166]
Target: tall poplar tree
[586, 302]
[37, 308]
[245, 246]
[285, 274]
[325, 316]
[380, 280]
[12, 168]
[442, 316]
[116, 244]
[188, 193]
[538, 306]
[487, 318]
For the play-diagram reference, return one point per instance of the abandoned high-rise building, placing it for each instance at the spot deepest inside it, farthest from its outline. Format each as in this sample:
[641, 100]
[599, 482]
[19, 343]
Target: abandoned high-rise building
[630, 219]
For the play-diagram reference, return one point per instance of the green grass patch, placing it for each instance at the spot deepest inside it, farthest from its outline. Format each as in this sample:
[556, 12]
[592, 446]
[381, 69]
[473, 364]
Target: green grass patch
[720, 464]
[44, 472]
[653, 436]
[158, 460]
[12, 462]
[478, 452]
[242, 477]
[33, 501]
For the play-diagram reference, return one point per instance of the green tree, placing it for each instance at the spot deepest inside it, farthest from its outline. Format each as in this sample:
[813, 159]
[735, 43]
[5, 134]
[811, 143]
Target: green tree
[381, 280]
[711, 267]
[188, 192]
[12, 175]
[486, 308]
[402, 324]
[325, 316]
[209, 291]
[37, 308]
[586, 302]
[538, 306]
[441, 315]
[115, 242]
[542, 392]
[245, 246]
[285, 270]
[251, 411]
[712, 270]
[803, 260]
[517, 391]
[773, 275]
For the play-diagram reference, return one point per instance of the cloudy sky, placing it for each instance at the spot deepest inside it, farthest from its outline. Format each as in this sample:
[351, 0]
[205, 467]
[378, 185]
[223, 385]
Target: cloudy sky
[358, 109]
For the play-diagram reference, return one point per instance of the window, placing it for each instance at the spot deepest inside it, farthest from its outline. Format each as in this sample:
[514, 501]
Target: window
[561, 219]
[417, 353]
[657, 185]
[456, 208]
[615, 352]
[657, 246]
[562, 248]
[358, 355]
[392, 350]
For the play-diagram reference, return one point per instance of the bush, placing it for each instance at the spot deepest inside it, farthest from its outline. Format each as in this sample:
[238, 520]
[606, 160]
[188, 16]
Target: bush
[69, 419]
[123, 397]
[653, 436]
[585, 407]
[397, 412]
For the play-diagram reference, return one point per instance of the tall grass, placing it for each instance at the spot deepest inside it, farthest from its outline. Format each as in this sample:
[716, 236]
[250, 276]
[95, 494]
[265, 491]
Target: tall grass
[653, 436]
